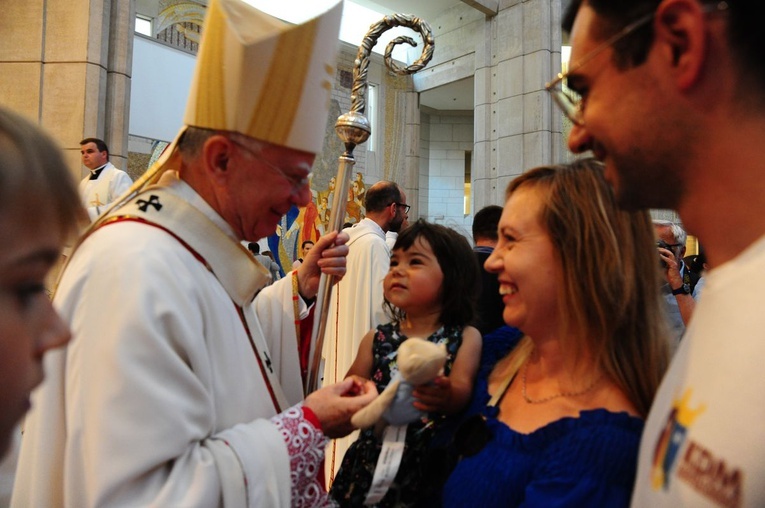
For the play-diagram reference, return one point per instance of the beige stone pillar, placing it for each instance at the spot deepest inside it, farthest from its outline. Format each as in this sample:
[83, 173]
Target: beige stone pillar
[517, 127]
[118, 72]
[411, 181]
[67, 64]
[484, 171]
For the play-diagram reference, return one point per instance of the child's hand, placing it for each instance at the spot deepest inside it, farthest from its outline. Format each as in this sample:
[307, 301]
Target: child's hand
[434, 396]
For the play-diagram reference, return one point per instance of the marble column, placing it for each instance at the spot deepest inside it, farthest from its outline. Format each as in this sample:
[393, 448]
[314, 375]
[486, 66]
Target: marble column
[66, 64]
[517, 127]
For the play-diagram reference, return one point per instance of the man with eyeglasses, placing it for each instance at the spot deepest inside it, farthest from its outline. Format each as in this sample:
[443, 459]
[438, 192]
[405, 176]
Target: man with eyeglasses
[356, 305]
[679, 290]
[181, 387]
[670, 94]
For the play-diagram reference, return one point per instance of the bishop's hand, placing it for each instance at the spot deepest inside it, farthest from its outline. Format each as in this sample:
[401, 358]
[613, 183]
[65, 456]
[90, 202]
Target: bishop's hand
[328, 256]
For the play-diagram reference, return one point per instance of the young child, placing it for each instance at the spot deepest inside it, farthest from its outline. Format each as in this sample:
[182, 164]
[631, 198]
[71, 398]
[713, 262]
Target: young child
[430, 292]
[39, 207]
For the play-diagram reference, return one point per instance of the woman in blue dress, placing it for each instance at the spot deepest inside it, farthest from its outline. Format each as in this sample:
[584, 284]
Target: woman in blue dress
[558, 411]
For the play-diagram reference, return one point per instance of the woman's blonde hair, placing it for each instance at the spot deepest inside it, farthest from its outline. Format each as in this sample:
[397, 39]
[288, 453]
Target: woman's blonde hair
[33, 173]
[609, 299]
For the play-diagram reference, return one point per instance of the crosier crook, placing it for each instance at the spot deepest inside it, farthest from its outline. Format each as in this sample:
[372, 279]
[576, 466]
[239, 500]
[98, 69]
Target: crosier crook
[353, 129]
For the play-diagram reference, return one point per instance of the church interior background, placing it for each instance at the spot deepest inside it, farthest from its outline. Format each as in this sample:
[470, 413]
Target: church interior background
[452, 136]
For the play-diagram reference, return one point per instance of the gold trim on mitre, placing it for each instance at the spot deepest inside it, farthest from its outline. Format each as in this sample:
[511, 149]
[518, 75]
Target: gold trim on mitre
[263, 77]
[259, 76]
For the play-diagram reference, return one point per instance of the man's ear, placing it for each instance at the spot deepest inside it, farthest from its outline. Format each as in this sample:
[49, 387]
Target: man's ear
[216, 152]
[392, 211]
[680, 31]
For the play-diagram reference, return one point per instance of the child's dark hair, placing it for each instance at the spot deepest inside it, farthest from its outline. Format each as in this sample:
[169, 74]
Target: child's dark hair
[458, 264]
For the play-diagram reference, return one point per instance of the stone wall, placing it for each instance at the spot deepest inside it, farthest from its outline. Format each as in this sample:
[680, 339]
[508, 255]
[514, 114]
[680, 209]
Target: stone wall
[66, 65]
[449, 147]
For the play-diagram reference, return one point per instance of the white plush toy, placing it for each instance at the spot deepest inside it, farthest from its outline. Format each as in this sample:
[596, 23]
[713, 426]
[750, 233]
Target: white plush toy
[419, 362]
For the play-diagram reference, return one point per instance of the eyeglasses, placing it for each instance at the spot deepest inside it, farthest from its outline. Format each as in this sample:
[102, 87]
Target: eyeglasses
[297, 182]
[406, 207]
[665, 245]
[571, 102]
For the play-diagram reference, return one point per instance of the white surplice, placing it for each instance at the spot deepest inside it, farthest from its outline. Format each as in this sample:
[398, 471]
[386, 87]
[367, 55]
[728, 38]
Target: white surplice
[97, 194]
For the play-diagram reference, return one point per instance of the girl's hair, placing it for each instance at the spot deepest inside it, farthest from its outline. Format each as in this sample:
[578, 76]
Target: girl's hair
[459, 265]
[33, 173]
[609, 298]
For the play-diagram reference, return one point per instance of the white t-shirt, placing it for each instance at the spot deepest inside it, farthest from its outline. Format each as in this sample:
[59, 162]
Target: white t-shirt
[703, 443]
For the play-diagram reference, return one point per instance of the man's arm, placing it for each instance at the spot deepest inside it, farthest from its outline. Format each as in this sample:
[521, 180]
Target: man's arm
[685, 302]
[275, 309]
[152, 417]
[163, 402]
[119, 185]
[327, 256]
[687, 305]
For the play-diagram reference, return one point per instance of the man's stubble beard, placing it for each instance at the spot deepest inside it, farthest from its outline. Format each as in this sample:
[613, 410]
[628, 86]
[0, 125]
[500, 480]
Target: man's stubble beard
[395, 225]
[647, 180]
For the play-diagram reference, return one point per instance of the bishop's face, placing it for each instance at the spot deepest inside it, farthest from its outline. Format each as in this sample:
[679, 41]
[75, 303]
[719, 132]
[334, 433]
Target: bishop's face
[265, 183]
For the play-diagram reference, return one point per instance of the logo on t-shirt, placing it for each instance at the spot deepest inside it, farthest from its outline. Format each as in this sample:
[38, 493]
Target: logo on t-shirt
[697, 466]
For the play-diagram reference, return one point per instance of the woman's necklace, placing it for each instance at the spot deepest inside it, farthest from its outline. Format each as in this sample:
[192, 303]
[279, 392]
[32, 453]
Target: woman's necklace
[557, 395]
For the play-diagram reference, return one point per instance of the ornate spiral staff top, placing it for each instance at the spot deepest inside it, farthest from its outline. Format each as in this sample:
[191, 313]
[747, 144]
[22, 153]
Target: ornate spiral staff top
[353, 129]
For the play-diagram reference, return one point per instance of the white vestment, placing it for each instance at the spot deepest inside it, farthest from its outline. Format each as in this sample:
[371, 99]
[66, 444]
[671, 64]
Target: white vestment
[390, 239]
[159, 399]
[356, 306]
[97, 194]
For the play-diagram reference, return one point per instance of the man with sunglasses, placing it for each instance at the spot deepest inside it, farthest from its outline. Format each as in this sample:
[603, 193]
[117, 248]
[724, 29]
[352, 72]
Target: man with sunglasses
[670, 95]
[679, 290]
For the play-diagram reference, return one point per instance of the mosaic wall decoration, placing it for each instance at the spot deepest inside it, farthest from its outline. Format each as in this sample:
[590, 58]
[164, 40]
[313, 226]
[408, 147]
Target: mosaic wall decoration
[179, 23]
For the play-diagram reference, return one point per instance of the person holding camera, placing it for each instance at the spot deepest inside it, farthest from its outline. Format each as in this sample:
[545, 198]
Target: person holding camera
[680, 290]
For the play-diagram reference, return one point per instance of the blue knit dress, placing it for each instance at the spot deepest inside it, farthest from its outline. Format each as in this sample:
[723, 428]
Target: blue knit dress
[586, 461]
